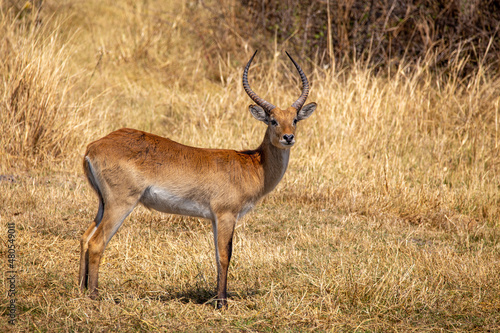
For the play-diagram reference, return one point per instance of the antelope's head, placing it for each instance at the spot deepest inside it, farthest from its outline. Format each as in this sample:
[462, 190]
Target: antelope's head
[281, 123]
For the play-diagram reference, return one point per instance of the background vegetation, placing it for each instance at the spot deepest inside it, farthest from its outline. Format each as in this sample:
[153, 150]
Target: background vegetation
[385, 33]
[387, 219]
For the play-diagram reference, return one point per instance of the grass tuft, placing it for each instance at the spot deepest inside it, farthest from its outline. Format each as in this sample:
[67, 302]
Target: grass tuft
[39, 118]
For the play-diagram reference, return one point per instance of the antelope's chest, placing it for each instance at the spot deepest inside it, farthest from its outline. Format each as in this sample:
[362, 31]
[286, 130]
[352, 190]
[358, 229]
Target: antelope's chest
[245, 209]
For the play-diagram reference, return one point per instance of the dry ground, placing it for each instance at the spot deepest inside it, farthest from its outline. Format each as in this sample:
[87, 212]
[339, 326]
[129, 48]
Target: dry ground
[387, 218]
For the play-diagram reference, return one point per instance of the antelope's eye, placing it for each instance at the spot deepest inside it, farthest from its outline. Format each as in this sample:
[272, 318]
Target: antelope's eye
[295, 122]
[274, 122]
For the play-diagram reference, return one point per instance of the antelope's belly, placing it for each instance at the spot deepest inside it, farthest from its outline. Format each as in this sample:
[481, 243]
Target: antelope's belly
[166, 201]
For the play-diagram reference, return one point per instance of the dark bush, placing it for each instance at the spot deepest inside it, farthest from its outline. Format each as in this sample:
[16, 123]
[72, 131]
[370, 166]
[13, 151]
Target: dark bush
[383, 33]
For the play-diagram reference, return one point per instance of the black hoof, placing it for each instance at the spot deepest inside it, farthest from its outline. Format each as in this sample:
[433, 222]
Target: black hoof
[94, 296]
[221, 303]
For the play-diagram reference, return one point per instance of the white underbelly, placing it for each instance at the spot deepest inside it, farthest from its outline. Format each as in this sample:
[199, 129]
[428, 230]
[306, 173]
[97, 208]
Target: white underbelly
[165, 201]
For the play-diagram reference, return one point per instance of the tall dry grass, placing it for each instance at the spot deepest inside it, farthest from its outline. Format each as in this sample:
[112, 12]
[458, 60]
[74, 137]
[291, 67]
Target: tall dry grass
[387, 219]
[427, 145]
[38, 119]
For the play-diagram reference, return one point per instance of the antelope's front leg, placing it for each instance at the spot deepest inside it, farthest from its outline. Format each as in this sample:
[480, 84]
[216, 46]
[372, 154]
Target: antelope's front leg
[223, 238]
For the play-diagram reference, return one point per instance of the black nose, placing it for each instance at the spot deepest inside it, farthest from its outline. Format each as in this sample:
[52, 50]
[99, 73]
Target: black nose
[288, 137]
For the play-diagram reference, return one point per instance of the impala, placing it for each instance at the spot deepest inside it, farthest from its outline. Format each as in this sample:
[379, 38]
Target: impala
[128, 167]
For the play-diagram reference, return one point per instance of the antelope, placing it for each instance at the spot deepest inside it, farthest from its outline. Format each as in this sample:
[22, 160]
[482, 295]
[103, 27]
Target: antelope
[128, 167]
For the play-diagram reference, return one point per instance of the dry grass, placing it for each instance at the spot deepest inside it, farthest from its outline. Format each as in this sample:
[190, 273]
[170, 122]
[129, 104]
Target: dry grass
[36, 118]
[387, 219]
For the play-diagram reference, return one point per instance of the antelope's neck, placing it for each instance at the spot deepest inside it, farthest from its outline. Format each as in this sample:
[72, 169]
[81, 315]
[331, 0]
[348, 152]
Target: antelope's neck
[274, 162]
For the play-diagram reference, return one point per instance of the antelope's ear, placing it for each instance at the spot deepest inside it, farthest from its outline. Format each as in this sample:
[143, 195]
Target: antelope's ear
[259, 113]
[306, 111]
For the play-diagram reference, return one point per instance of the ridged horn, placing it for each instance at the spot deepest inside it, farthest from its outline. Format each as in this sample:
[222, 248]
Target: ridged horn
[259, 101]
[305, 86]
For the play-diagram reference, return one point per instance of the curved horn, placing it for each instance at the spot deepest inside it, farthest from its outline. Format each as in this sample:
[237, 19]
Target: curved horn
[265, 105]
[305, 86]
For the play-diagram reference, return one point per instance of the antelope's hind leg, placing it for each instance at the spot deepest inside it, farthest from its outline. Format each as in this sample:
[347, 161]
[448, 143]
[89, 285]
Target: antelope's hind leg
[94, 241]
[84, 246]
